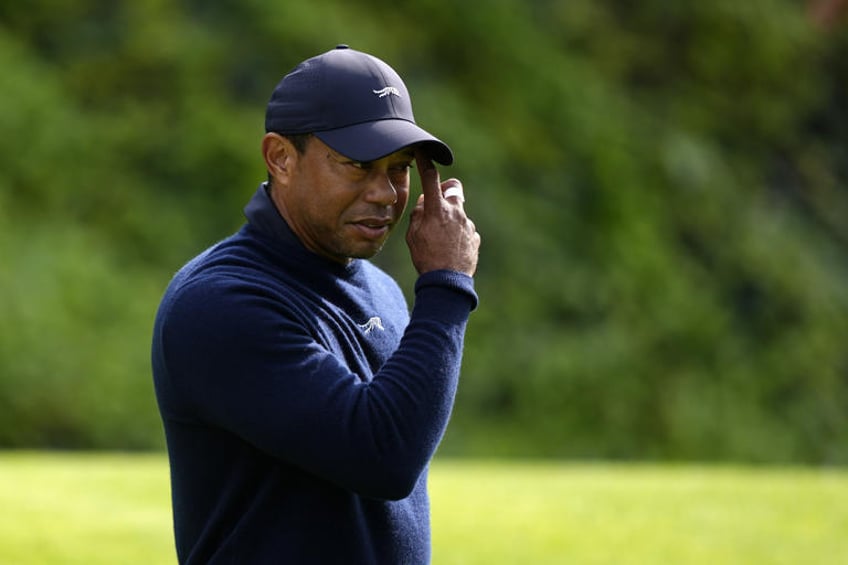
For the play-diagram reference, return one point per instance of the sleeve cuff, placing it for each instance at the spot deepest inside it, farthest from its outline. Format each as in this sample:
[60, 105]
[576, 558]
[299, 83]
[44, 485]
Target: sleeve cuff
[450, 280]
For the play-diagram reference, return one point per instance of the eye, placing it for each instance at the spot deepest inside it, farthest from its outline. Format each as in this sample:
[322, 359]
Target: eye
[341, 160]
[401, 167]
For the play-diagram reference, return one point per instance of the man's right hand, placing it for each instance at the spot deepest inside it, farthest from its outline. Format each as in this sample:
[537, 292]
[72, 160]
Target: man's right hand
[440, 235]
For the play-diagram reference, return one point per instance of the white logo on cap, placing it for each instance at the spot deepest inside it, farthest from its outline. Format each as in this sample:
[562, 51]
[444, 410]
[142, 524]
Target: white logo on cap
[386, 91]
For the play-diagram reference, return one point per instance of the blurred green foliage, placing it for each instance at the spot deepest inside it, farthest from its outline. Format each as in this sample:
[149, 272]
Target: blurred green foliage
[662, 192]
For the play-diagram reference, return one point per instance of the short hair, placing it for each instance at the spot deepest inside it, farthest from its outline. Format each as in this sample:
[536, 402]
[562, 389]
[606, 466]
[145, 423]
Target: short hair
[298, 140]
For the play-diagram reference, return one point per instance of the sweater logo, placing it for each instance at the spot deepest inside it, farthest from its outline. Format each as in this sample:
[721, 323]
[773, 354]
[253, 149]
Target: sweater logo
[374, 323]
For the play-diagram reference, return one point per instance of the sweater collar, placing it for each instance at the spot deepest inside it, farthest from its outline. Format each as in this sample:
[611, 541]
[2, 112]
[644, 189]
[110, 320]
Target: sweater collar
[262, 215]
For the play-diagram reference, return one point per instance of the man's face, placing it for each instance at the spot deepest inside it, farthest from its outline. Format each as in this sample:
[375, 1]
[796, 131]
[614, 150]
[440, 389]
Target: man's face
[340, 208]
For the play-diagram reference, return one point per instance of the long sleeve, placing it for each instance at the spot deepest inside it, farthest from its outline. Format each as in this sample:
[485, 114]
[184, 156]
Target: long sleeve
[254, 363]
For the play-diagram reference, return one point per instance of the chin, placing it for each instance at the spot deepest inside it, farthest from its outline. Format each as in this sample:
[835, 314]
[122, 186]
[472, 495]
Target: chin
[367, 252]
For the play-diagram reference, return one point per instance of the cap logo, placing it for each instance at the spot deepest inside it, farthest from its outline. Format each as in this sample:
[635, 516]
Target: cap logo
[386, 91]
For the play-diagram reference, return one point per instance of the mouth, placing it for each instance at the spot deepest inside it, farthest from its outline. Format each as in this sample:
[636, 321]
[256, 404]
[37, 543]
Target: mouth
[373, 228]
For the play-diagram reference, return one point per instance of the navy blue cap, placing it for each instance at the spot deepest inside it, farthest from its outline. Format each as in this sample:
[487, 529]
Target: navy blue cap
[353, 102]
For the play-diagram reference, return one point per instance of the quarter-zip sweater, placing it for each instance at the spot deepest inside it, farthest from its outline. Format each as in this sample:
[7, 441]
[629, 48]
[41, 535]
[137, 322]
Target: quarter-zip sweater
[302, 401]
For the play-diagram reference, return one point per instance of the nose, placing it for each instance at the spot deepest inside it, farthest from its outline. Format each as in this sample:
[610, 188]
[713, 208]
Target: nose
[381, 190]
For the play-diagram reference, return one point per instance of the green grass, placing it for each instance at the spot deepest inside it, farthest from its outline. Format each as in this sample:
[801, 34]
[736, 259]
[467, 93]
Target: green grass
[592, 514]
[114, 508]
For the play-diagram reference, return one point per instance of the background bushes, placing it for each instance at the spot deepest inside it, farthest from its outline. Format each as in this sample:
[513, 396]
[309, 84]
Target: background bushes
[661, 190]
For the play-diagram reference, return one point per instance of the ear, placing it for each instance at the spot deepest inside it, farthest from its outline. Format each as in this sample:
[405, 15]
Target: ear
[280, 156]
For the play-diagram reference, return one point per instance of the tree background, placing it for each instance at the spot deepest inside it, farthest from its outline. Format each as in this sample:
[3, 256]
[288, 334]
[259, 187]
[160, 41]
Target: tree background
[662, 190]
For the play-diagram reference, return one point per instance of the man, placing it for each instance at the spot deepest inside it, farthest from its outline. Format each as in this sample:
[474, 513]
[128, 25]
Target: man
[301, 400]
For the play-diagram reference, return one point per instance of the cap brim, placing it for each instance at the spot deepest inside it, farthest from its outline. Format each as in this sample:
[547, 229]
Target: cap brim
[374, 140]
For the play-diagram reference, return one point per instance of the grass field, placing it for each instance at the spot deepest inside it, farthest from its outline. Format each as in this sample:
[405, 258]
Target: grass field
[114, 508]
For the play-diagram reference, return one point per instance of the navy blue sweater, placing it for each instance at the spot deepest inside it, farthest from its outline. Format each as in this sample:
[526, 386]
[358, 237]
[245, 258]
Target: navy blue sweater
[302, 401]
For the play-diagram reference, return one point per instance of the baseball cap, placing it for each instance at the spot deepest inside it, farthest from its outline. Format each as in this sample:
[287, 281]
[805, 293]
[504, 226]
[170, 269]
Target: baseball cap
[353, 102]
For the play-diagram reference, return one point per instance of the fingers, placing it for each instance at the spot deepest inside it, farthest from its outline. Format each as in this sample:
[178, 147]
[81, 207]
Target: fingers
[430, 185]
[452, 190]
[433, 190]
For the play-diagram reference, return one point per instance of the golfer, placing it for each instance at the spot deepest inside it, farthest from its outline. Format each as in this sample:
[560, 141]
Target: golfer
[301, 399]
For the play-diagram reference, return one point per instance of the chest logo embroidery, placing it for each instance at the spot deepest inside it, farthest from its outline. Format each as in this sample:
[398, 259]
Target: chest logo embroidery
[374, 323]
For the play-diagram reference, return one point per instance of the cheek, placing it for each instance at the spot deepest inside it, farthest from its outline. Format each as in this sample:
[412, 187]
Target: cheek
[328, 198]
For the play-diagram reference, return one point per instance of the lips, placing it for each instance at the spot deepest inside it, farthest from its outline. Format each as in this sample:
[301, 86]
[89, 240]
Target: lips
[373, 228]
